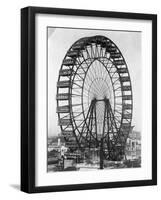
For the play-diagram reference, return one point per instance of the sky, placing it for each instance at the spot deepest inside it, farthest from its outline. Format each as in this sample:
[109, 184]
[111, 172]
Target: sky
[61, 39]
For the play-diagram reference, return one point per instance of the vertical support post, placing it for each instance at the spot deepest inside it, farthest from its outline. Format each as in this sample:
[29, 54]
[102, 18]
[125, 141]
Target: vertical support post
[96, 123]
[101, 154]
[108, 113]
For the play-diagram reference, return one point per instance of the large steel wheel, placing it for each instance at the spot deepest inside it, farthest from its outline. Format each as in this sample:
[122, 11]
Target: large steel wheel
[94, 97]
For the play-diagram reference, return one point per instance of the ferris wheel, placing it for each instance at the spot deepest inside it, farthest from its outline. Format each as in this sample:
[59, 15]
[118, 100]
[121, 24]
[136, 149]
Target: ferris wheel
[94, 97]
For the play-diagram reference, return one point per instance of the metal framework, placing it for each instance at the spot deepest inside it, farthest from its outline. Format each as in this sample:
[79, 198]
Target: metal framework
[94, 97]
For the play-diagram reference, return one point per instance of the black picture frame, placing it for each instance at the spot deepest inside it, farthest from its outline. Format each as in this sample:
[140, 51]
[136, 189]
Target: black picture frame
[28, 98]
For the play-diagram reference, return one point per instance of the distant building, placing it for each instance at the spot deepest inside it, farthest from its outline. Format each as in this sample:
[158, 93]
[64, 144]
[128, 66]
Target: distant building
[55, 143]
[133, 145]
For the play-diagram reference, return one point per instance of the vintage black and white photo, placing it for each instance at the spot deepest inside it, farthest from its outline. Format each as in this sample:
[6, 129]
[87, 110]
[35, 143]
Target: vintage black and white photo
[89, 99]
[94, 99]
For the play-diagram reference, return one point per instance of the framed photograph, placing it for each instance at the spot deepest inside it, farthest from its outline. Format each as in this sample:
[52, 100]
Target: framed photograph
[88, 99]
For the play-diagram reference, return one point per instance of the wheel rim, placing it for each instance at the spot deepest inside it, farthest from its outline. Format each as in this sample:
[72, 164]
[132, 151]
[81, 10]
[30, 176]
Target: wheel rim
[95, 69]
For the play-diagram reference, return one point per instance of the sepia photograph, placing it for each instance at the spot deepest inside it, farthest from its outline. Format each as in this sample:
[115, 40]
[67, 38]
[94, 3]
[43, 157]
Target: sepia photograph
[94, 99]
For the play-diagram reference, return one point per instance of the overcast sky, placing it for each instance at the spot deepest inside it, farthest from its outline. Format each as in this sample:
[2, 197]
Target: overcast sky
[61, 39]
